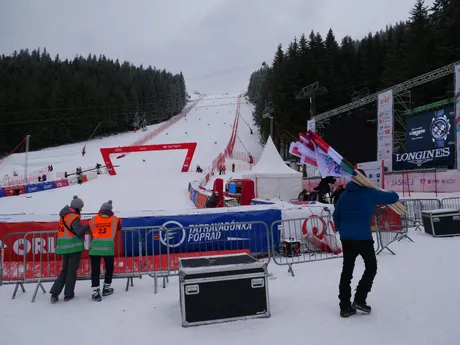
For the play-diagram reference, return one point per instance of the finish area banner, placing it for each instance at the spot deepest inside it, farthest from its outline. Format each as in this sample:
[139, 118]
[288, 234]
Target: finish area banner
[430, 141]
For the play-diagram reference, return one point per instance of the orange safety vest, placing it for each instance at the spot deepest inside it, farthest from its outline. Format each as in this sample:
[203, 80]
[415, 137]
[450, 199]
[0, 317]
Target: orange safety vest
[67, 242]
[103, 230]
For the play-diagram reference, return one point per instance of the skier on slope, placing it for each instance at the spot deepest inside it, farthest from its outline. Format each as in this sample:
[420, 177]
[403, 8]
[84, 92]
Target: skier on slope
[352, 218]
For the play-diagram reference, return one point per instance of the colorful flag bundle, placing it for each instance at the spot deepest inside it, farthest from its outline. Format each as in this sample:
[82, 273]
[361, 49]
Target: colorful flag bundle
[310, 153]
[313, 150]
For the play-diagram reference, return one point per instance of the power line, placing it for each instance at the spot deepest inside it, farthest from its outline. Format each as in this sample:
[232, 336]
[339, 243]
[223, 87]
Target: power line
[97, 106]
[102, 115]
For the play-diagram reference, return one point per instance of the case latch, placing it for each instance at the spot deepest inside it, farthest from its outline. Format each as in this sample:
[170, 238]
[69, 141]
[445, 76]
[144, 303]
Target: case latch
[192, 289]
[257, 283]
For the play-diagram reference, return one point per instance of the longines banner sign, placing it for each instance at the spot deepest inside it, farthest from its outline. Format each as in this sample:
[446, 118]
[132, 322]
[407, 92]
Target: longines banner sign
[430, 141]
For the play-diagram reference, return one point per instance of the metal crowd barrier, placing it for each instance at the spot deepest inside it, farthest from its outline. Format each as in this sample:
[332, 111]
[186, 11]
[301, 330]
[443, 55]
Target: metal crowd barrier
[391, 228]
[152, 251]
[155, 251]
[452, 203]
[31, 258]
[304, 240]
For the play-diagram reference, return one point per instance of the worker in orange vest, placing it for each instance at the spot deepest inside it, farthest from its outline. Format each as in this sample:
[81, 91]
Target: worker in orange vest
[104, 227]
[70, 243]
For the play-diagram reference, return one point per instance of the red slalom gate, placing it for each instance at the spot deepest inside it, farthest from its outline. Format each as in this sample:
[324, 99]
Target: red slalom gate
[190, 147]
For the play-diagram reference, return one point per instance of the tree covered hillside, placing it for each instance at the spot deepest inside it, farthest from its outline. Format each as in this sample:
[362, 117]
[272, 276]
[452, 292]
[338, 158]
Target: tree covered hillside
[62, 101]
[353, 69]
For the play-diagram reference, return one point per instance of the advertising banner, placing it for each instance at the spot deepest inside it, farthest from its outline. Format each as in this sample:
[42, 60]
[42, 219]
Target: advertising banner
[11, 191]
[457, 112]
[2, 193]
[385, 128]
[203, 232]
[62, 183]
[39, 187]
[430, 141]
[374, 172]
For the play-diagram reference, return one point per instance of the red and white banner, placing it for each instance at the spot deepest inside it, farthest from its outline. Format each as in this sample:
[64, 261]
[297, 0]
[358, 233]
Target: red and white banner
[415, 182]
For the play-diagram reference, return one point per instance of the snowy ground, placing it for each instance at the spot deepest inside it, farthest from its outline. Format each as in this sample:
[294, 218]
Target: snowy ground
[144, 181]
[415, 301]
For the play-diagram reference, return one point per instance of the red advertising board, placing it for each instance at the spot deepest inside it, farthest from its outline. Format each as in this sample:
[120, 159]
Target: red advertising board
[10, 191]
[36, 246]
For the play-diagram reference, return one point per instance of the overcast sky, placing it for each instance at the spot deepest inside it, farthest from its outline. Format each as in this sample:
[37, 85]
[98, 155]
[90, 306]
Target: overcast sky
[215, 43]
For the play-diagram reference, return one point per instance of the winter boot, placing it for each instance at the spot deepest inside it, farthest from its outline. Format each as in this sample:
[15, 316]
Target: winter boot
[348, 311]
[107, 290]
[66, 299]
[97, 295]
[362, 307]
[54, 299]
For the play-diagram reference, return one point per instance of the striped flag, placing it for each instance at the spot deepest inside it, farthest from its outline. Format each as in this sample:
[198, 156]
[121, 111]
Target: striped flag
[299, 150]
[330, 152]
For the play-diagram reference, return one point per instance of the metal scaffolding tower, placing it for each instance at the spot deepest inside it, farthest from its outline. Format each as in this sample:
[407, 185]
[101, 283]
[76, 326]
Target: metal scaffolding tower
[397, 89]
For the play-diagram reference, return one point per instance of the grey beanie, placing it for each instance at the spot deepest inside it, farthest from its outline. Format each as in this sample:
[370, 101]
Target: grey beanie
[107, 205]
[76, 203]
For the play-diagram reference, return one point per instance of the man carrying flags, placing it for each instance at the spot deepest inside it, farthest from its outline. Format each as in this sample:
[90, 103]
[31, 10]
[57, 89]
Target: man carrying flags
[352, 215]
[352, 219]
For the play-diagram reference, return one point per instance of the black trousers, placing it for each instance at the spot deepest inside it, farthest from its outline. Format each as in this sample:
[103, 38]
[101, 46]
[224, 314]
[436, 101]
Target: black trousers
[68, 275]
[96, 270]
[351, 250]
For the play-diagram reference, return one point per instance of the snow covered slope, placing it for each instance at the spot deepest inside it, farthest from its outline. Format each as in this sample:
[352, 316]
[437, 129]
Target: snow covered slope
[144, 181]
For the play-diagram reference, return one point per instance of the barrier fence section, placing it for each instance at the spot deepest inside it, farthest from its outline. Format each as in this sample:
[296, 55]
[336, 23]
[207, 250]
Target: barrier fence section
[320, 241]
[30, 257]
[390, 228]
[415, 207]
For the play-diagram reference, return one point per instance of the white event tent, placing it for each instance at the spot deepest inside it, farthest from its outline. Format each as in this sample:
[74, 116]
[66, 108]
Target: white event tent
[273, 178]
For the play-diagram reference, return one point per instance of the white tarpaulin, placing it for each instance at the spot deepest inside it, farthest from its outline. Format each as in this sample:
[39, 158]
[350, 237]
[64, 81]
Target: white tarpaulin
[273, 178]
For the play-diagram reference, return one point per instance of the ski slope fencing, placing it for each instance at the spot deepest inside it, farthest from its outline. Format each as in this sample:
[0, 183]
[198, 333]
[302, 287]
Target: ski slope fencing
[197, 191]
[152, 246]
[220, 159]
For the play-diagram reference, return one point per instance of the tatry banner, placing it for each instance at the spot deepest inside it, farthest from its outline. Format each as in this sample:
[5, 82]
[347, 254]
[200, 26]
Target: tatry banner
[457, 111]
[385, 128]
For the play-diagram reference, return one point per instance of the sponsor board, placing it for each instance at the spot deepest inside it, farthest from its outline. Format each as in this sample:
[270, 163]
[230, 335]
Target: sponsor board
[203, 232]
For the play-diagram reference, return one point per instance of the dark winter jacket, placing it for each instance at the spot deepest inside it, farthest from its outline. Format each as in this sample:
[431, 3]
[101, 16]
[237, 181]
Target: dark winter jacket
[212, 201]
[76, 226]
[354, 210]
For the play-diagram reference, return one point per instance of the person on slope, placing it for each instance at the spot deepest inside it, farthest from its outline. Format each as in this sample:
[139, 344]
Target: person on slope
[104, 227]
[70, 243]
[352, 218]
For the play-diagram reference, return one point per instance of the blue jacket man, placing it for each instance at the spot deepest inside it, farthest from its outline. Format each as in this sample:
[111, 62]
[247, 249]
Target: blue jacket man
[352, 218]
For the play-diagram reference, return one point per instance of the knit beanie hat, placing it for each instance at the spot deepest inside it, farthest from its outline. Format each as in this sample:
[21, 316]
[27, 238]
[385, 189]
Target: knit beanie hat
[107, 206]
[76, 203]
